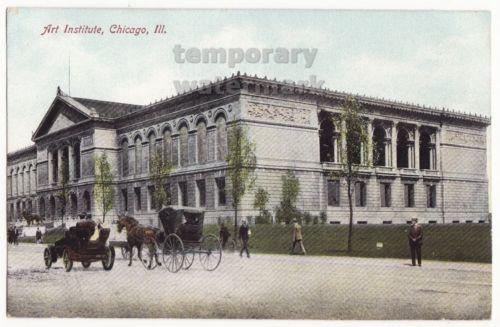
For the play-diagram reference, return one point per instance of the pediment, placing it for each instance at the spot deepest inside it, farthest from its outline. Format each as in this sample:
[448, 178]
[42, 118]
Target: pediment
[61, 115]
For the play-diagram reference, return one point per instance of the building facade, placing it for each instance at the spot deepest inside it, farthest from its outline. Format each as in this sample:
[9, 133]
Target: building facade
[420, 162]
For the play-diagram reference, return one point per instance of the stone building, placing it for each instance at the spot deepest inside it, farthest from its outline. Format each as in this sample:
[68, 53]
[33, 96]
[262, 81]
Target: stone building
[420, 162]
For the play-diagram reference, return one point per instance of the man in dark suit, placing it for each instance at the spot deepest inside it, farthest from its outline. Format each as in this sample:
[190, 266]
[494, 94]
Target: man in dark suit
[244, 234]
[415, 237]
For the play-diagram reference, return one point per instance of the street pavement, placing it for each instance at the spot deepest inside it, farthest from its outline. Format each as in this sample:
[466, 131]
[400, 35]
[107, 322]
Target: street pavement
[263, 287]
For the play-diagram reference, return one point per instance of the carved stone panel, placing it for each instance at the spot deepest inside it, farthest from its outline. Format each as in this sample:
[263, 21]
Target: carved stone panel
[465, 139]
[264, 111]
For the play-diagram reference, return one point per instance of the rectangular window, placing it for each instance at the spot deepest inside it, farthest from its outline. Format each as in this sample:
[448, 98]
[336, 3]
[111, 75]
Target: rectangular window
[221, 190]
[137, 191]
[125, 200]
[168, 200]
[360, 194]
[183, 194]
[200, 185]
[431, 196]
[151, 198]
[333, 193]
[385, 194]
[409, 195]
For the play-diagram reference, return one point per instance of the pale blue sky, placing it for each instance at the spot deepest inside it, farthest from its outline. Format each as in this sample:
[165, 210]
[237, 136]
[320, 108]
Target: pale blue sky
[428, 57]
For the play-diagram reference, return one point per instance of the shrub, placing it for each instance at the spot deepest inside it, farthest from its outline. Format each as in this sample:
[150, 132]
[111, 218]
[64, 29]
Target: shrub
[307, 218]
[323, 217]
[264, 218]
[286, 214]
[249, 220]
[315, 220]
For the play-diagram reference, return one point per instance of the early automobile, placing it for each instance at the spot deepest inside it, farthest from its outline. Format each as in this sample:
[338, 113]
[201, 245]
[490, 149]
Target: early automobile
[76, 246]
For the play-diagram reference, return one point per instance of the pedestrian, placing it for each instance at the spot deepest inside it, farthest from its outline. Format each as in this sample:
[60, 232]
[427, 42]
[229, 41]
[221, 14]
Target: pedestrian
[16, 238]
[415, 237]
[244, 235]
[297, 236]
[38, 236]
[224, 234]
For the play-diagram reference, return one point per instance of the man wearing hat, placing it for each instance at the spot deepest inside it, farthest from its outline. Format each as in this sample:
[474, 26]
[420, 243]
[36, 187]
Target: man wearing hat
[415, 237]
[297, 236]
[244, 234]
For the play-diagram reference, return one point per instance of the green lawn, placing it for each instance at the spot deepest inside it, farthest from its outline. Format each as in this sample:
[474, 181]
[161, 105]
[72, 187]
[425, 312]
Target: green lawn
[454, 242]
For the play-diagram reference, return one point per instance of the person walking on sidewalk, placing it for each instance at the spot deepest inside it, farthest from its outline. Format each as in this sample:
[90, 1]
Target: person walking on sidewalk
[297, 236]
[244, 236]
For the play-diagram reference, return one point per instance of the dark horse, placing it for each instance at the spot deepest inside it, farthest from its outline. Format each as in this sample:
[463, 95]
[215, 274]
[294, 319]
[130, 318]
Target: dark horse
[31, 218]
[138, 236]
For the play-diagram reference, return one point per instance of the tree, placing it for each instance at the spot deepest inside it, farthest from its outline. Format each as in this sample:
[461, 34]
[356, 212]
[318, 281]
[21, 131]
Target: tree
[63, 192]
[104, 191]
[241, 163]
[290, 188]
[354, 149]
[260, 202]
[159, 174]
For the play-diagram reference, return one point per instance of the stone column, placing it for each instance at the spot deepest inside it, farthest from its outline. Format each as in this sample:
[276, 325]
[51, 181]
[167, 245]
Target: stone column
[438, 150]
[71, 162]
[394, 142]
[370, 143]
[388, 152]
[343, 140]
[51, 177]
[417, 147]
[335, 149]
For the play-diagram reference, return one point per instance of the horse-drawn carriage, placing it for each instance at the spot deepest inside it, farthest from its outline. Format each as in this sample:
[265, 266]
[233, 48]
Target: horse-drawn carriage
[76, 245]
[177, 244]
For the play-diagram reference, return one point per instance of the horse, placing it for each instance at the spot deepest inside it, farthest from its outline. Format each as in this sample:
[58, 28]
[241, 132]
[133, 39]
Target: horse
[138, 236]
[30, 218]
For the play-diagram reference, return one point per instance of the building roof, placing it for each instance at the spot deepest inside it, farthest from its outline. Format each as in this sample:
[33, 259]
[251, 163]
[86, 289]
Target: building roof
[108, 109]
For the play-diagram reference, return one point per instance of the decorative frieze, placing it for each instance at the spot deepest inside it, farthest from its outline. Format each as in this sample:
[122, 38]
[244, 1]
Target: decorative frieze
[463, 139]
[265, 111]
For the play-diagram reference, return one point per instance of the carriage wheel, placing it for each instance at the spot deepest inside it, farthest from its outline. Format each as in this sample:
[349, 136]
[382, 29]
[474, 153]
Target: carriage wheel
[149, 254]
[108, 263]
[210, 252]
[86, 264]
[126, 252]
[47, 258]
[173, 253]
[188, 259]
[68, 263]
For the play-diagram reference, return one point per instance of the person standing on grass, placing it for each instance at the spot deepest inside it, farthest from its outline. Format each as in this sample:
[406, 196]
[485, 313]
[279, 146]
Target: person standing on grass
[297, 236]
[415, 237]
[244, 235]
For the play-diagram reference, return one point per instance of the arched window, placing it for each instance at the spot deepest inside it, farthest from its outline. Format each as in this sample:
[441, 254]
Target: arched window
[22, 180]
[151, 148]
[9, 183]
[201, 135]
[425, 150]
[73, 205]
[29, 206]
[167, 145]
[402, 148]
[354, 148]
[124, 156]
[76, 160]
[138, 155]
[86, 202]
[52, 207]
[379, 146]
[221, 143]
[183, 139]
[327, 140]
[28, 179]
[41, 207]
